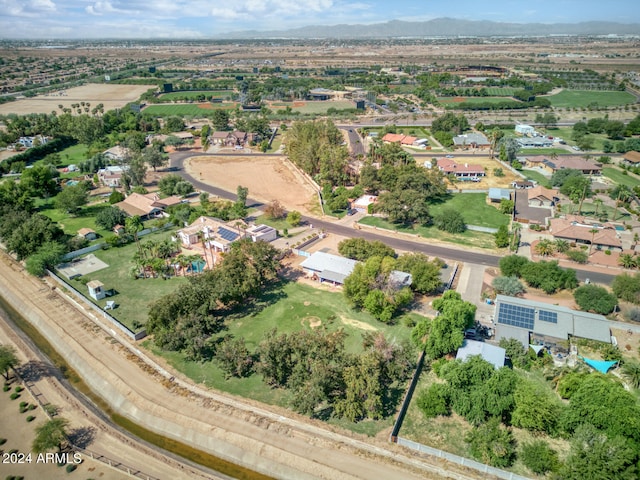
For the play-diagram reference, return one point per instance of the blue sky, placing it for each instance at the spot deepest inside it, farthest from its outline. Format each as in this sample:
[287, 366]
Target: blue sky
[205, 18]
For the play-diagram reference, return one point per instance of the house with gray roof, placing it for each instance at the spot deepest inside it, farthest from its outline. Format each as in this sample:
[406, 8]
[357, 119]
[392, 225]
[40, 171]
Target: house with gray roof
[498, 194]
[492, 354]
[473, 140]
[334, 268]
[525, 320]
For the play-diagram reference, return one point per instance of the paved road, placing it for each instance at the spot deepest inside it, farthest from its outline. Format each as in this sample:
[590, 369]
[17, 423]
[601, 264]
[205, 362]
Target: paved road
[396, 242]
[356, 147]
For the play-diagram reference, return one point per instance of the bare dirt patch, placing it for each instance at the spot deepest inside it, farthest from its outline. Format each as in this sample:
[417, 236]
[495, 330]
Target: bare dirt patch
[488, 181]
[358, 324]
[110, 95]
[313, 322]
[267, 178]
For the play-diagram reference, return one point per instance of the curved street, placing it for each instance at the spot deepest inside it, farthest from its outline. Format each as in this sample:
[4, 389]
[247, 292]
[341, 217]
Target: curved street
[395, 241]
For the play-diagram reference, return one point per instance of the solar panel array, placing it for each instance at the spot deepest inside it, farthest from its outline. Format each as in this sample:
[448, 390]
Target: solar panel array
[547, 316]
[516, 316]
[227, 234]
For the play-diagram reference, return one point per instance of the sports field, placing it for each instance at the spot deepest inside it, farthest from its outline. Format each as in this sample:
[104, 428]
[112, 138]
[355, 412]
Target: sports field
[501, 91]
[586, 98]
[315, 106]
[186, 109]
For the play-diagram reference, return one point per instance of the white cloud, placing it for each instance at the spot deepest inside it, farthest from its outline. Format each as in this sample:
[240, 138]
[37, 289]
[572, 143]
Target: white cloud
[27, 8]
[245, 9]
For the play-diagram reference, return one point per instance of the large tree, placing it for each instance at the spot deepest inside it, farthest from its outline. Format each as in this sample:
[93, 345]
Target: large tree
[71, 198]
[8, 360]
[50, 435]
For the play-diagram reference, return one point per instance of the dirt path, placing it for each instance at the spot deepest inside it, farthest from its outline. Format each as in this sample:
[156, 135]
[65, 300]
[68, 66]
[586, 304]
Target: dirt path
[232, 428]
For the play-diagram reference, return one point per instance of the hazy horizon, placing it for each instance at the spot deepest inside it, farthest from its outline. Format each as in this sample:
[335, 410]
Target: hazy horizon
[160, 19]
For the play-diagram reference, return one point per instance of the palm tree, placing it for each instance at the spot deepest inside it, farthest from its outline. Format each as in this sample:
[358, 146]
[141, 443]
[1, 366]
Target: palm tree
[50, 435]
[627, 260]
[631, 373]
[544, 248]
[561, 245]
[8, 360]
[134, 225]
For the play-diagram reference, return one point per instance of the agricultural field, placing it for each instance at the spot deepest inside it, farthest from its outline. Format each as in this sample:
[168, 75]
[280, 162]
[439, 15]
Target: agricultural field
[193, 95]
[188, 109]
[586, 98]
[290, 307]
[109, 94]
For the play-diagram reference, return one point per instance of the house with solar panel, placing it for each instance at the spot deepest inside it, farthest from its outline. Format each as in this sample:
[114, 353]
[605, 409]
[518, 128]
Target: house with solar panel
[538, 323]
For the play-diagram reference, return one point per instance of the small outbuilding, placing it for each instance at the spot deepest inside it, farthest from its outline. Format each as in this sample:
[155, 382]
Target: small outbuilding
[499, 194]
[492, 354]
[96, 290]
[87, 234]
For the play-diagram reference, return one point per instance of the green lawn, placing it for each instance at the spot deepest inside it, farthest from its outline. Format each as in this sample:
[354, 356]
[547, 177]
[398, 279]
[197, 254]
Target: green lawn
[74, 154]
[501, 91]
[134, 296]
[537, 177]
[566, 134]
[323, 106]
[290, 307]
[70, 224]
[468, 238]
[630, 180]
[192, 95]
[454, 100]
[541, 151]
[474, 209]
[585, 98]
[190, 109]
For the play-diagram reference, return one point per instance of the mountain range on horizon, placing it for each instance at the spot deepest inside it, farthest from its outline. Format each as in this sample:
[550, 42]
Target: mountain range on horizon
[441, 27]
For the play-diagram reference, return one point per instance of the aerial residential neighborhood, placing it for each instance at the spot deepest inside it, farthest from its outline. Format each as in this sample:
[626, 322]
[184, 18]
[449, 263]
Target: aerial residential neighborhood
[318, 253]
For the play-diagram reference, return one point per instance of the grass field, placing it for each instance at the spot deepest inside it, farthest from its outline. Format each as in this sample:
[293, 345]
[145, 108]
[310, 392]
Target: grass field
[468, 238]
[537, 177]
[474, 209]
[501, 91]
[630, 180]
[566, 132]
[190, 109]
[290, 307]
[192, 95]
[74, 154]
[585, 98]
[541, 151]
[70, 224]
[322, 107]
[453, 100]
[134, 296]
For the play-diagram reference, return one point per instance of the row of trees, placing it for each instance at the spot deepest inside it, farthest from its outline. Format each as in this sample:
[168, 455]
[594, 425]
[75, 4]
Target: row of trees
[546, 275]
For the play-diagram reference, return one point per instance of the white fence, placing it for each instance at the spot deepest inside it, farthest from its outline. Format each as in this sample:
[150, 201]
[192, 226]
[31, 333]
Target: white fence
[465, 462]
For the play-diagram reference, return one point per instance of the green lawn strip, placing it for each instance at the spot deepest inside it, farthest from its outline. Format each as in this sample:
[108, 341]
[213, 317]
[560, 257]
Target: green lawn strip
[617, 175]
[542, 151]
[290, 308]
[501, 91]
[566, 134]
[469, 238]
[537, 177]
[585, 98]
[473, 208]
[133, 296]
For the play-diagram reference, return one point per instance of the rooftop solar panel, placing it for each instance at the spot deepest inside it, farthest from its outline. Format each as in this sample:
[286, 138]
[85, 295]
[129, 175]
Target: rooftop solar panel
[227, 234]
[546, 316]
[517, 316]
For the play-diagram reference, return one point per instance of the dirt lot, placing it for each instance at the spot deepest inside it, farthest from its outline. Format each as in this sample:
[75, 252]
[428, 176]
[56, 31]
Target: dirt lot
[267, 178]
[490, 180]
[110, 95]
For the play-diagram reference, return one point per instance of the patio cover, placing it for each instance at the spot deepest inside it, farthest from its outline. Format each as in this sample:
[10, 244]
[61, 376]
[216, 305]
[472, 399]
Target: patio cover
[600, 365]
